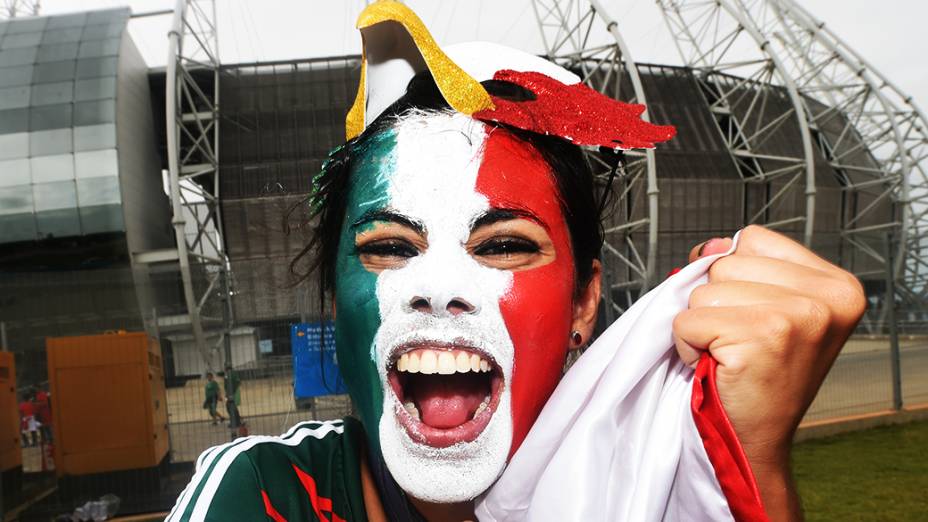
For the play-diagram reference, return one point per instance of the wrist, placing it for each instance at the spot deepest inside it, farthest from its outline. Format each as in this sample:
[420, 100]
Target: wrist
[774, 478]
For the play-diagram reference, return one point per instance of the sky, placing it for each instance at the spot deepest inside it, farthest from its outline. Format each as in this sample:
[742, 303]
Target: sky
[884, 33]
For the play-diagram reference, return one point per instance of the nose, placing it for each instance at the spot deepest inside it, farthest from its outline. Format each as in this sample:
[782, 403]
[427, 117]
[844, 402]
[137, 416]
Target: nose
[454, 306]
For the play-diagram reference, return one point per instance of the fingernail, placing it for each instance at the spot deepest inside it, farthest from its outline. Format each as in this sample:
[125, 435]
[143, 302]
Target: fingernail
[702, 247]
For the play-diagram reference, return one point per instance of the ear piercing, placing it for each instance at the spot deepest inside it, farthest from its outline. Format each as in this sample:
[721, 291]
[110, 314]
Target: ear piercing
[576, 338]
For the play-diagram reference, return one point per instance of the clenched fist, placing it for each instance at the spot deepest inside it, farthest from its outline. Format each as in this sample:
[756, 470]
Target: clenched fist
[774, 315]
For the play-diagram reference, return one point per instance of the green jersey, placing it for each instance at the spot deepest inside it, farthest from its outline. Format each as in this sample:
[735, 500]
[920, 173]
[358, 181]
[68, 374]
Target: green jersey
[310, 473]
[212, 390]
[232, 383]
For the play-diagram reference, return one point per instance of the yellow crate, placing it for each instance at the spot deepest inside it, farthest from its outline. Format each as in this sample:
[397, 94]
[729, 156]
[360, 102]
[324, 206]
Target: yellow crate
[108, 402]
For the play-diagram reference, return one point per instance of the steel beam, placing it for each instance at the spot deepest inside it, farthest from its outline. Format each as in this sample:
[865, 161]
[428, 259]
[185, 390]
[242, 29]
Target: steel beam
[192, 110]
[566, 27]
[739, 73]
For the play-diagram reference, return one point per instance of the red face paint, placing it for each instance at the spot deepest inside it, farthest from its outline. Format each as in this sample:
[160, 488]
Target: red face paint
[538, 308]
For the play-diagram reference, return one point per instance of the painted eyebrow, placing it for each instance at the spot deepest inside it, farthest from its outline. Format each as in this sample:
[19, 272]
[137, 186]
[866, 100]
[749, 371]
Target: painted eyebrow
[495, 215]
[372, 216]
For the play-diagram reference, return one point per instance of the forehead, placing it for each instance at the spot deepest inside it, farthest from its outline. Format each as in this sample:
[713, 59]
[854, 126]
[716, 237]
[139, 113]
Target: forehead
[446, 169]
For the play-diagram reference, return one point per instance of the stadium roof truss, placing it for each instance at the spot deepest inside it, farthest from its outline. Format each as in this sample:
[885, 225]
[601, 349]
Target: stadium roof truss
[731, 60]
[14, 8]
[630, 247]
[766, 70]
[879, 115]
[869, 133]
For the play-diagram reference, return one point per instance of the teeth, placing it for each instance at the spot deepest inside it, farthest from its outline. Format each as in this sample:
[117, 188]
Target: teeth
[442, 362]
[428, 362]
[483, 406]
[462, 362]
[446, 364]
[412, 410]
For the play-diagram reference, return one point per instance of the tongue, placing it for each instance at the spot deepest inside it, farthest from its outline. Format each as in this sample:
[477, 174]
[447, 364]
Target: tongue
[447, 401]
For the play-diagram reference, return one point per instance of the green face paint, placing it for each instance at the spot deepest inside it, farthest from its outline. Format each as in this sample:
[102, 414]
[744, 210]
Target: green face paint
[358, 311]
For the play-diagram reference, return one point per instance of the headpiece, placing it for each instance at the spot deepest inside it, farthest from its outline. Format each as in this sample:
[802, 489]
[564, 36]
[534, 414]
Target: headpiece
[397, 46]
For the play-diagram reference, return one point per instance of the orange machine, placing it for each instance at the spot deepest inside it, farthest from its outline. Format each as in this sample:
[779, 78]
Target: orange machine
[109, 403]
[11, 456]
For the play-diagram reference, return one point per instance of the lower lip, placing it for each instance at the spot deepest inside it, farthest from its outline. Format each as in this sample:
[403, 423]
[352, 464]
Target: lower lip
[443, 438]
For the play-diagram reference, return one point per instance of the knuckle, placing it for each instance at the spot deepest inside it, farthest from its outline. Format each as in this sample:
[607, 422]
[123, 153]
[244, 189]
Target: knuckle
[847, 296]
[854, 296]
[778, 328]
[817, 316]
[722, 269]
[700, 296]
[736, 366]
[753, 233]
[753, 229]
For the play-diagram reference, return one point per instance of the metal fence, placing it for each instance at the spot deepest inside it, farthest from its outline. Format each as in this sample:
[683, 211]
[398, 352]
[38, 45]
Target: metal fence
[860, 382]
[84, 303]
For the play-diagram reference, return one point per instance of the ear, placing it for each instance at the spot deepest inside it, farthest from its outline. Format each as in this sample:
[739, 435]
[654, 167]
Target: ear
[586, 305]
[334, 311]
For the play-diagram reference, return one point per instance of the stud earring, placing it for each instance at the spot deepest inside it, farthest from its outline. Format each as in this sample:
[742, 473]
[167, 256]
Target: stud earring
[576, 338]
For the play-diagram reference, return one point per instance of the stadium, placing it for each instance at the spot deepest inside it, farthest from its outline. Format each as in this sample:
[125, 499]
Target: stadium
[171, 202]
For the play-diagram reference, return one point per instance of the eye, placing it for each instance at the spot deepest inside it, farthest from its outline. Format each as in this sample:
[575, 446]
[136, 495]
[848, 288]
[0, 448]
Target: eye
[388, 248]
[506, 247]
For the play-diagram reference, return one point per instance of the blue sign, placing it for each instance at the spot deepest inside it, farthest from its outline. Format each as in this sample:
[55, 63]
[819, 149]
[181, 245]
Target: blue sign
[315, 370]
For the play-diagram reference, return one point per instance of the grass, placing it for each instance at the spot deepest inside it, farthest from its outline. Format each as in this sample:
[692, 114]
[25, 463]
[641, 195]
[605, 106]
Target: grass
[877, 474]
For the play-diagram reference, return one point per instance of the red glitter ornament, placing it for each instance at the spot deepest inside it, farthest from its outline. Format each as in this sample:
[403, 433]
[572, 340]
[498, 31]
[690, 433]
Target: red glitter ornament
[575, 112]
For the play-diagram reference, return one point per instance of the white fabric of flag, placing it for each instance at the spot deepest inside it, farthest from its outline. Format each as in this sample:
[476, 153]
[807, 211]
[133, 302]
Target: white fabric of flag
[617, 440]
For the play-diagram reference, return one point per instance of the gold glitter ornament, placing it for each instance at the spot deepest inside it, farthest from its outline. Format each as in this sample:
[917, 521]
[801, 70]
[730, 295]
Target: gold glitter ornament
[462, 92]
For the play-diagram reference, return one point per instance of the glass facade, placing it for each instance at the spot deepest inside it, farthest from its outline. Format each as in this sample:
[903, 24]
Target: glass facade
[59, 172]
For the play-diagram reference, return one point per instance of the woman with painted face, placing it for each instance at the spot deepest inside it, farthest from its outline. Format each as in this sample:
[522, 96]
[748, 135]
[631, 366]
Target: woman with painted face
[458, 235]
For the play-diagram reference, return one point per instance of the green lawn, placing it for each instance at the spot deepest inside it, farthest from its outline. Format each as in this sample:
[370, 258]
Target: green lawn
[879, 474]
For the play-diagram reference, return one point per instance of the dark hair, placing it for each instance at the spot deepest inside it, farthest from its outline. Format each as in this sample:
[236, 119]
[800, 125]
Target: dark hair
[328, 201]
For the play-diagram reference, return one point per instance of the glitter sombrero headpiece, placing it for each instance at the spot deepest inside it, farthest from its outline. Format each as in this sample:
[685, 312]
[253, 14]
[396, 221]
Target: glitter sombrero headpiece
[397, 46]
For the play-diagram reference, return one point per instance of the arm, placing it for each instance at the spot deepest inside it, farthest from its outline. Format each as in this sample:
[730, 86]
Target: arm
[774, 315]
[238, 496]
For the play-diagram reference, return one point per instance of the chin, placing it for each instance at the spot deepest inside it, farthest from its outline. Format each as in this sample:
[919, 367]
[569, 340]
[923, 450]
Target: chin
[454, 473]
[446, 429]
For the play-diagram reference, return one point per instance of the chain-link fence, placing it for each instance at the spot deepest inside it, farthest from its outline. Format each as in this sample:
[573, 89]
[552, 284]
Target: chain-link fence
[84, 408]
[260, 389]
[68, 426]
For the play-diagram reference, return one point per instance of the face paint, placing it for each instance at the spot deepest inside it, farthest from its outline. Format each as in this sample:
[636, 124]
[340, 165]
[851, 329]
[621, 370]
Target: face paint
[538, 307]
[358, 315]
[443, 172]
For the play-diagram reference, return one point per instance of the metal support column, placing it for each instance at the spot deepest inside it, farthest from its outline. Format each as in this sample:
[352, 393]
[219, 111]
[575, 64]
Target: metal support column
[894, 355]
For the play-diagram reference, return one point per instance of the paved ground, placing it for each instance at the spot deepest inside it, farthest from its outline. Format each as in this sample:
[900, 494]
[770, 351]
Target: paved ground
[860, 382]
[189, 439]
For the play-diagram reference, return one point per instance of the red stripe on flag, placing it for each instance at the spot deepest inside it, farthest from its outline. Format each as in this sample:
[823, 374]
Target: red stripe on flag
[732, 468]
[269, 509]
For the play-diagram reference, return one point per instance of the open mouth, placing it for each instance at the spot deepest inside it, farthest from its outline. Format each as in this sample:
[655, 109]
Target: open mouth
[448, 393]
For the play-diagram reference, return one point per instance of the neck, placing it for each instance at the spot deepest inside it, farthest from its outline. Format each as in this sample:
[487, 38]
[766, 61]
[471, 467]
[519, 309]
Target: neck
[457, 512]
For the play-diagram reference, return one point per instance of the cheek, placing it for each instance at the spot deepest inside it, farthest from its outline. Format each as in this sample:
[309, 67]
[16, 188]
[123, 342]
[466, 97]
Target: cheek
[537, 312]
[356, 322]
[538, 308]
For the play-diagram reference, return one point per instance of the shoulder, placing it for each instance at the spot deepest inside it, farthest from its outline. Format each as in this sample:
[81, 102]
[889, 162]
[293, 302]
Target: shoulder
[233, 479]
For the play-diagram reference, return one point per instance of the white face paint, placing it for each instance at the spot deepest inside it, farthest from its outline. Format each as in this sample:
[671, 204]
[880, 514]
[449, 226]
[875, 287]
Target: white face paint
[437, 161]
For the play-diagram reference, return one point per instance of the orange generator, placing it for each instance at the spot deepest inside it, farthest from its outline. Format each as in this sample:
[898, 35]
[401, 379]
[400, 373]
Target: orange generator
[108, 402]
[11, 456]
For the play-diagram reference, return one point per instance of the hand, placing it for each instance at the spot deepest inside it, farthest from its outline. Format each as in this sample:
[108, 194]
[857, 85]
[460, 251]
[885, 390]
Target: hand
[774, 315]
